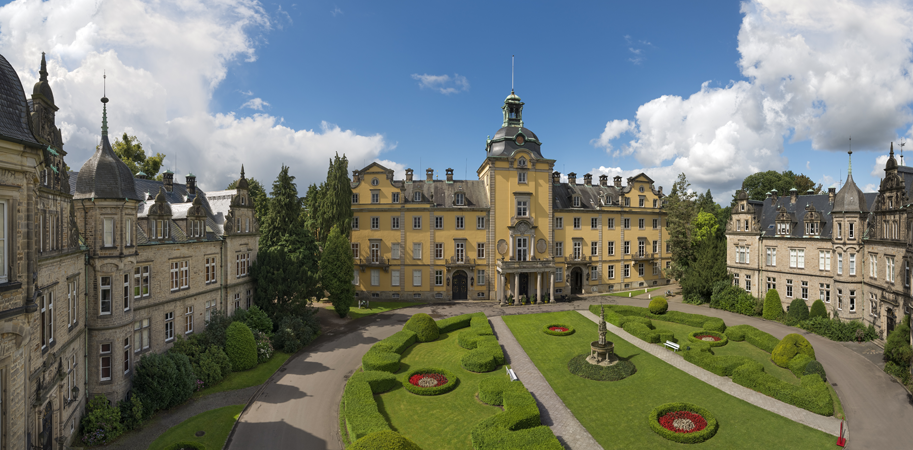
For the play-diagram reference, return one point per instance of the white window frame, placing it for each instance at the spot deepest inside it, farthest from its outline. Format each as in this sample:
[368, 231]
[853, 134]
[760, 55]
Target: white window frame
[169, 326]
[438, 277]
[852, 264]
[394, 250]
[375, 277]
[102, 290]
[103, 356]
[394, 278]
[416, 277]
[188, 319]
[108, 232]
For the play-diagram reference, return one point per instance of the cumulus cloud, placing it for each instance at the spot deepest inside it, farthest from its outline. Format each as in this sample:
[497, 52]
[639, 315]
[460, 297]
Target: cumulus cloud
[816, 71]
[878, 168]
[163, 62]
[445, 84]
[336, 11]
[613, 129]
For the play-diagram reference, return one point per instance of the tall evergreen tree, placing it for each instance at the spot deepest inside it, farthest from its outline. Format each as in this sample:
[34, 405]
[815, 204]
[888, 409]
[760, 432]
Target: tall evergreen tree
[284, 210]
[709, 265]
[336, 271]
[310, 213]
[681, 212]
[336, 199]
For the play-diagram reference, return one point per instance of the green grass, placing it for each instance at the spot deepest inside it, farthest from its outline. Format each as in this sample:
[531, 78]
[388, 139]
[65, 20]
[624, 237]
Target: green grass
[376, 307]
[216, 423]
[253, 377]
[440, 422]
[633, 293]
[838, 407]
[615, 412]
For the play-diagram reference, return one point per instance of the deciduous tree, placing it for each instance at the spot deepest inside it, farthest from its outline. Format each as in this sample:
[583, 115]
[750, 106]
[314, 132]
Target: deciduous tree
[130, 150]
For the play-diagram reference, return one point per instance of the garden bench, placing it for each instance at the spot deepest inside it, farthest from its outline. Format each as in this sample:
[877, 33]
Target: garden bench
[672, 345]
[511, 374]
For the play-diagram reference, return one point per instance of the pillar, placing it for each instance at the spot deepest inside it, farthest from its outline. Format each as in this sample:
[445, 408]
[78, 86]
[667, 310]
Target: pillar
[538, 288]
[517, 287]
[552, 288]
[499, 288]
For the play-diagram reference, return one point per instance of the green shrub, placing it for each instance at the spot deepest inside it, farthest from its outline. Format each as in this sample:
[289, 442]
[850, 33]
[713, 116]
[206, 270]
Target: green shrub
[485, 353]
[163, 380]
[264, 347]
[798, 311]
[380, 382]
[546, 330]
[216, 329]
[838, 330]
[658, 305]
[720, 365]
[385, 440]
[450, 385]
[454, 323]
[192, 346]
[131, 411]
[212, 366]
[818, 310]
[715, 324]
[398, 342]
[423, 326]
[797, 365]
[382, 360]
[897, 347]
[692, 336]
[293, 333]
[361, 414]
[684, 438]
[641, 331]
[101, 423]
[186, 445]
[902, 373]
[579, 366]
[791, 345]
[733, 299]
[665, 335]
[257, 320]
[517, 427]
[737, 333]
[634, 319]
[240, 347]
[773, 308]
[814, 367]
[760, 339]
[812, 394]
[492, 388]
[630, 312]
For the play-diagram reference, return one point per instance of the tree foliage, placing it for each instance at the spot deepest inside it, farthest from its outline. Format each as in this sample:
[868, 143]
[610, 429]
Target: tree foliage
[284, 210]
[130, 150]
[336, 271]
[705, 226]
[759, 184]
[708, 268]
[681, 213]
[334, 203]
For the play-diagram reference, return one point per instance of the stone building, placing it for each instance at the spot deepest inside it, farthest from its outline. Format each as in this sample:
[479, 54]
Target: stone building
[98, 268]
[847, 248]
[517, 230]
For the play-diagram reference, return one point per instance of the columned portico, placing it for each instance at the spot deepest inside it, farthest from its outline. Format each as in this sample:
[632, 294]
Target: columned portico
[513, 270]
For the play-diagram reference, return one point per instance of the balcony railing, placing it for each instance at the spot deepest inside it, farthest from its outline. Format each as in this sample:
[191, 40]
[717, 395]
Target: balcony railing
[640, 256]
[379, 262]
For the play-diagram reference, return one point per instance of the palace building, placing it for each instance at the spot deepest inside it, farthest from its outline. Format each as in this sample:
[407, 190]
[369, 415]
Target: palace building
[516, 231]
[98, 268]
[848, 248]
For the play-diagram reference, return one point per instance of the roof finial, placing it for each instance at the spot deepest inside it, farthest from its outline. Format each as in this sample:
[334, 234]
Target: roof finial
[849, 172]
[44, 69]
[892, 149]
[901, 151]
[104, 112]
[242, 170]
[511, 74]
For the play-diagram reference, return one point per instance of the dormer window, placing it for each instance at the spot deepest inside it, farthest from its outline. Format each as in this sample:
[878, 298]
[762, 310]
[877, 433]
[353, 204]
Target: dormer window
[417, 196]
[812, 228]
[458, 199]
[742, 207]
[576, 201]
[890, 203]
[243, 201]
[521, 163]
[782, 228]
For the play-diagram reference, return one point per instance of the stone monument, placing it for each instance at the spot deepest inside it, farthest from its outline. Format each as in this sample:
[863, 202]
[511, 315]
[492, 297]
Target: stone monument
[602, 352]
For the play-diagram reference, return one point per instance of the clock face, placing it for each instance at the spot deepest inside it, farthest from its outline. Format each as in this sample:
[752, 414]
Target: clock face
[520, 140]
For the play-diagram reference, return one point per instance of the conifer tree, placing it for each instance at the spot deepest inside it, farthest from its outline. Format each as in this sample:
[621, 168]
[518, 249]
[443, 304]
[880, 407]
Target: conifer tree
[335, 200]
[336, 271]
[284, 210]
[681, 213]
[708, 268]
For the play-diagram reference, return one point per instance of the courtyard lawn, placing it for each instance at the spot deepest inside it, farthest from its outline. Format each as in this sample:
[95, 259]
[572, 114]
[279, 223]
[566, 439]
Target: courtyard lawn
[633, 293]
[440, 422]
[376, 307]
[253, 377]
[615, 413]
[216, 424]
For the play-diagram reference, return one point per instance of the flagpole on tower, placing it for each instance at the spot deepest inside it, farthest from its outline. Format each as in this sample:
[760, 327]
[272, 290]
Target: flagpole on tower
[511, 74]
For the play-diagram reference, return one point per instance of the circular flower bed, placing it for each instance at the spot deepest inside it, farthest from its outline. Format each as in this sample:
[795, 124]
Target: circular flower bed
[579, 366]
[683, 422]
[558, 329]
[712, 338]
[429, 381]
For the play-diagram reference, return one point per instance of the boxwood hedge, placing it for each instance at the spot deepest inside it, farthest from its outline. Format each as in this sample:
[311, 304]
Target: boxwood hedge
[485, 353]
[454, 323]
[450, 385]
[684, 438]
[797, 365]
[692, 336]
[424, 326]
[384, 355]
[641, 331]
[491, 390]
[579, 366]
[385, 440]
[720, 365]
[361, 413]
[812, 393]
[380, 382]
[546, 330]
[518, 426]
[694, 320]
[791, 345]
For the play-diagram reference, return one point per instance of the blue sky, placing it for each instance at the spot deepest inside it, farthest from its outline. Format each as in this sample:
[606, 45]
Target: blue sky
[718, 90]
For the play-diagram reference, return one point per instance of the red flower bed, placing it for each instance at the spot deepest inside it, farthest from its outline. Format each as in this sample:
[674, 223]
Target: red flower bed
[706, 337]
[561, 329]
[683, 422]
[427, 380]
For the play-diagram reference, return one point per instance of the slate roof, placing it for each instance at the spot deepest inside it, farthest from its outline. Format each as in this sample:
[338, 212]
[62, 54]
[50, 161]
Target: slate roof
[441, 192]
[768, 210]
[105, 176]
[849, 197]
[503, 143]
[14, 109]
[590, 196]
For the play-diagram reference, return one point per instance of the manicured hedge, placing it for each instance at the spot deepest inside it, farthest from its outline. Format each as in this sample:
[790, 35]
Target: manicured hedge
[791, 345]
[737, 333]
[818, 310]
[715, 324]
[634, 319]
[570, 329]
[797, 365]
[423, 326]
[450, 385]
[699, 354]
[760, 339]
[398, 342]
[454, 323]
[684, 438]
[773, 308]
[491, 389]
[380, 382]
[517, 427]
[658, 305]
[579, 366]
[485, 353]
[385, 440]
[798, 311]
[361, 413]
[812, 394]
[814, 367]
[694, 320]
[385, 354]
[186, 445]
[240, 347]
[723, 339]
[641, 331]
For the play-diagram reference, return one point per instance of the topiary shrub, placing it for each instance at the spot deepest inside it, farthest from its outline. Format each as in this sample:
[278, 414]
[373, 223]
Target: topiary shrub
[486, 354]
[685, 438]
[797, 365]
[492, 388]
[384, 440]
[257, 320]
[773, 308]
[240, 347]
[791, 345]
[163, 380]
[737, 333]
[818, 310]
[454, 323]
[361, 414]
[101, 423]
[379, 382]
[815, 367]
[517, 427]
[798, 311]
[715, 324]
[659, 305]
[424, 327]
[641, 331]
[812, 394]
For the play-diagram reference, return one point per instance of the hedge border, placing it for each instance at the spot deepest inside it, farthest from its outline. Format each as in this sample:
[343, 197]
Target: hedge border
[683, 438]
[570, 330]
[186, 444]
[450, 385]
[518, 426]
[692, 336]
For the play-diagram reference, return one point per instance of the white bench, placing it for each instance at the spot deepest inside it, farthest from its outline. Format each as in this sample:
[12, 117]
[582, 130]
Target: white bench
[511, 374]
[672, 345]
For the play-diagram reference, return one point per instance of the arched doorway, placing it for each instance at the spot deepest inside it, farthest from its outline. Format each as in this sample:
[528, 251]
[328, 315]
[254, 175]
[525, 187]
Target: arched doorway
[460, 285]
[576, 281]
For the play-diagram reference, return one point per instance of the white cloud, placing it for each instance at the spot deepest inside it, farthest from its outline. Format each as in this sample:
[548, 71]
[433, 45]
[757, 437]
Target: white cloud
[445, 84]
[827, 181]
[247, 92]
[255, 103]
[808, 165]
[871, 187]
[638, 53]
[335, 12]
[878, 168]
[139, 45]
[613, 129]
[816, 71]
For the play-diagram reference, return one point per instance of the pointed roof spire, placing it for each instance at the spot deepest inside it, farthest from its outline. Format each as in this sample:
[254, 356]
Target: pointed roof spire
[849, 172]
[242, 170]
[43, 73]
[104, 108]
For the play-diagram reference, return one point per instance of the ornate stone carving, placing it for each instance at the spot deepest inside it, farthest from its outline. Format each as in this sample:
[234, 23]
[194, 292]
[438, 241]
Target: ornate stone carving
[541, 246]
[502, 247]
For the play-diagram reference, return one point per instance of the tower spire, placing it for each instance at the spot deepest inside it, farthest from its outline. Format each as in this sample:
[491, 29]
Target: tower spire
[511, 73]
[43, 73]
[104, 108]
[849, 172]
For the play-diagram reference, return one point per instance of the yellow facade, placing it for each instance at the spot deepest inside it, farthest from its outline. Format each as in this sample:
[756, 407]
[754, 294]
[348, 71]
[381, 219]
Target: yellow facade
[516, 231]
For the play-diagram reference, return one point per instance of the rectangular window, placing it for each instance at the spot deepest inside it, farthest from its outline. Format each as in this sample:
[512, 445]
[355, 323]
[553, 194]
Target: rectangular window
[355, 250]
[521, 177]
[416, 277]
[211, 270]
[439, 222]
[480, 277]
[355, 222]
[522, 249]
[109, 232]
[459, 223]
[839, 263]
[394, 278]
[852, 264]
[576, 201]
[594, 273]
[416, 222]
[105, 295]
[126, 292]
[250, 298]
[852, 300]
[627, 247]
[480, 250]
[522, 208]
[576, 223]
[805, 290]
[105, 362]
[45, 321]
[771, 256]
[655, 268]
[594, 223]
[611, 248]
[237, 302]
[852, 228]
[355, 277]
[824, 260]
[655, 223]
[185, 275]
[394, 250]
[559, 248]
[417, 196]
[396, 197]
[641, 201]
[169, 326]
[771, 283]
[480, 223]
[175, 277]
[611, 223]
[627, 224]
[460, 251]
[789, 288]
[126, 355]
[375, 252]
[640, 223]
[458, 198]
[839, 234]
[375, 277]
[375, 197]
[627, 270]
[375, 223]
[824, 292]
[577, 246]
[640, 269]
[128, 232]
[735, 280]
[438, 277]
[188, 319]
[641, 248]
[611, 271]
[627, 201]
[889, 269]
[416, 250]
[559, 223]
[559, 274]
[594, 248]
[394, 223]
[72, 302]
[873, 266]
[209, 306]
[438, 250]
[354, 198]
[748, 283]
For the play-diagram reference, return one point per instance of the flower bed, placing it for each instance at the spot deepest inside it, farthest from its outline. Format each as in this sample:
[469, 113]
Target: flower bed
[558, 329]
[711, 338]
[429, 381]
[683, 422]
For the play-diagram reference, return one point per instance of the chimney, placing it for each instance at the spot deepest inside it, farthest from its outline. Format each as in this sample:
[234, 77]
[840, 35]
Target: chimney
[603, 180]
[587, 179]
[556, 177]
[769, 194]
[793, 195]
[449, 175]
[355, 178]
[408, 175]
[773, 195]
[831, 194]
[191, 181]
[142, 175]
[429, 175]
[572, 179]
[168, 178]
[617, 181]
[660, 190]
